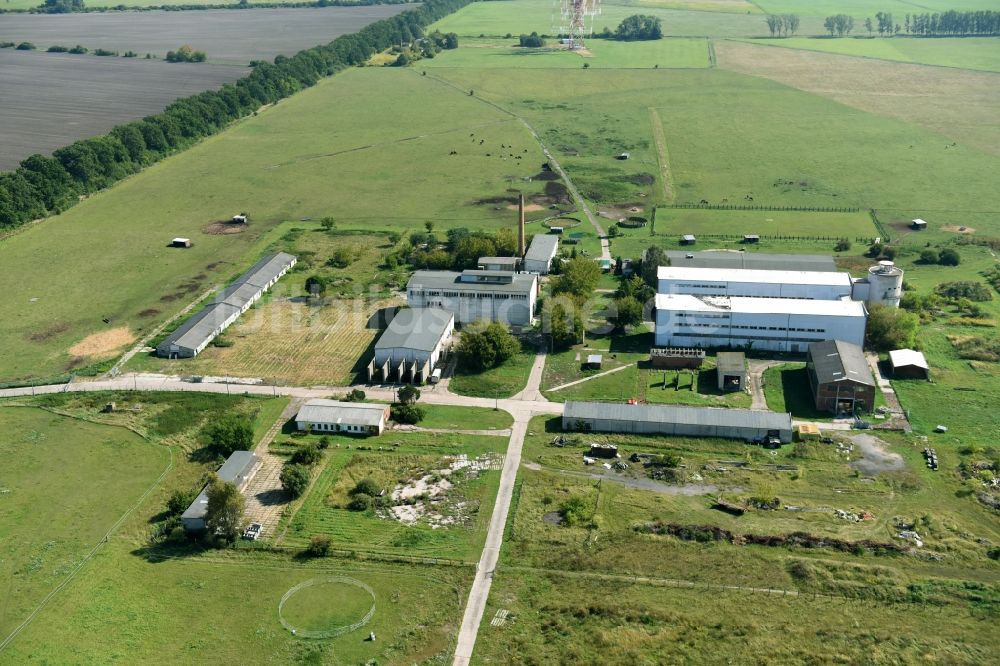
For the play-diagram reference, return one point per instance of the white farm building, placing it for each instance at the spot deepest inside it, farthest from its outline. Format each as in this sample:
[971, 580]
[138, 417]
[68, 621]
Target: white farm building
[476, 295]
[411, 345]
[359, 418]
[818, 285]
[191, 338]
[541, 252]
[773, 324]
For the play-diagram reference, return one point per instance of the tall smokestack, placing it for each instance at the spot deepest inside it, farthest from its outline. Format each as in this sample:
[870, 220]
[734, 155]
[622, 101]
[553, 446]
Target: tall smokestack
[520, 225]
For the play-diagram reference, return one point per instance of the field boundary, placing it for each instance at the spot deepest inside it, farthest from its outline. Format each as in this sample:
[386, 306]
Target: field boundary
[661, 153]
[799, 209]
[93, 551]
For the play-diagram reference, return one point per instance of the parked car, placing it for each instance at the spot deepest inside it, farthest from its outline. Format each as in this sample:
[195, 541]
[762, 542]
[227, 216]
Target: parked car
[253, 532]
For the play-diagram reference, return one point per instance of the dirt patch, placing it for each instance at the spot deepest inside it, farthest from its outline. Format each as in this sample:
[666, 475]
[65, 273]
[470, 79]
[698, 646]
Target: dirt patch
[50, 332]
[495, 200]
[955, 229]
[149, 312]
[103, 344]
[224, 228]
[170, 298]
[875, 459]
[528, 208]
[957, 103]
[212, 266]
[552, 518]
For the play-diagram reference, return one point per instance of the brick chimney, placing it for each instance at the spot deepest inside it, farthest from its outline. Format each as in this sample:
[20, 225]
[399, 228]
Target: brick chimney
[520, 226]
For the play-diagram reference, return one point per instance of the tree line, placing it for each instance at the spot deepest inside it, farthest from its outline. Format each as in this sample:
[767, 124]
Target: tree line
[782, 25]
[67, 6]
[43, 185]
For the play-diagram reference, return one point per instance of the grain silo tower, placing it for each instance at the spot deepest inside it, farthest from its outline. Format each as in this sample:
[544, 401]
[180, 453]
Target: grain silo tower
[886, 280]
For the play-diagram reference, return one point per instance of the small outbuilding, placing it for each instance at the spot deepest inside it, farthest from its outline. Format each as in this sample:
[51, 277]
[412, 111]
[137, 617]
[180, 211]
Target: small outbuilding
[688, 239]
[358, 418]
[908, 364]
[181, 242]
[499, 264]
[594, 362]
[731, 369]
[238, 469]
[840, 378]
[918, 225]
[751, 238]
[541, 252]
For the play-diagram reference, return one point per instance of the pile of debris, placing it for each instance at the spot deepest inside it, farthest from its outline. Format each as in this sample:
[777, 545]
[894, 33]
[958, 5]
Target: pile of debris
[427, 496]
[930, 455]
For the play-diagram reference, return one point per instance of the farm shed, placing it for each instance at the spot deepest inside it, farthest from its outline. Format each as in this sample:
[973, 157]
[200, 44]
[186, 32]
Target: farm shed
[751, 238]
[688, 239]
[919, 225]
[191, 338]
[909, 364]
[747, 424]
[772, 324]
[238, 469]
[413, 340]
[180, 242]
[676, 357]
[755, 283]
[731, 369]
[351, 417]
[840, 378]
[476, 295]
[499, 264]
[594, 362]
[752, 260]
[540, 253]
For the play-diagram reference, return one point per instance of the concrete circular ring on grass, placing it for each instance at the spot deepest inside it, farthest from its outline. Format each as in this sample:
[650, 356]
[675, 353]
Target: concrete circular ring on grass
[331, 632]
[564, 222]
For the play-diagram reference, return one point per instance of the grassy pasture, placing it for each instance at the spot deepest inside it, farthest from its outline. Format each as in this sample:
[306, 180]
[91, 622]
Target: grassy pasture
[277, 166]
[980, 53]
[500, 382]
[600, 53]
[863, 8]
[46, 529]
[680, 221]
[323, 511]
[464, 418]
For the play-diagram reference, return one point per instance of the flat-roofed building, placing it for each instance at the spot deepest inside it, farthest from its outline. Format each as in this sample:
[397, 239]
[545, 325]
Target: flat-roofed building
[541, 252]
[751, 260]
[191, 338]
[475, 295]
[411, 344]
[238, 469]
[511, 264]
[772, 324]
[682, 421]
[818, 285]
[840, 378]
[731, 371]
[357, 418]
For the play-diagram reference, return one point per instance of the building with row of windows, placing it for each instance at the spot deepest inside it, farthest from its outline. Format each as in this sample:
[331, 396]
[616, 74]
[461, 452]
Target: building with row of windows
[475, 295]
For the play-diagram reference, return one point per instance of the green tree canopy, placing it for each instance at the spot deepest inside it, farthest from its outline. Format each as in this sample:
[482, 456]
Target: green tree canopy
[639, 27]
[233, 432]
[224, 515]
[890, 328]
[578, 277]
[294, 479]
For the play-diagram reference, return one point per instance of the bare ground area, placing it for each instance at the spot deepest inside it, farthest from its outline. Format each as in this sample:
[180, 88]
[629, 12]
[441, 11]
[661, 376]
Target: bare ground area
[959, 104]
[875, 459]
[104, 344]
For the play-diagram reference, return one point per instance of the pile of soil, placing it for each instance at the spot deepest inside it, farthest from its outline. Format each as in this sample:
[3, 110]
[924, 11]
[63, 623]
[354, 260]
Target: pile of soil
[224, 228]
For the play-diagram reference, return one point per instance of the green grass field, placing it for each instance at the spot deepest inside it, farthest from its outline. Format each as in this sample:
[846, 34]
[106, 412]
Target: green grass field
[863, 8]
[64, 484]
[464, 418]
[736, 223]
[980, 53]
[500, 382]
[601, 53]
[397, 457]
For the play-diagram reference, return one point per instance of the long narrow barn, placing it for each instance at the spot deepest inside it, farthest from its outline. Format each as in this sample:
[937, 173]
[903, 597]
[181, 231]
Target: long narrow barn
[746, 424]
[191, 338]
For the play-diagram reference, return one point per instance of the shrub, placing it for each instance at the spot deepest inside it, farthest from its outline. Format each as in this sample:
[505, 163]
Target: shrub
[355, 395]
[928, 256]
[105, 52]
[843, 245]
[949, 257]
[409, 414]
[639, 27]
[185, 54]
[889, 328]
[6, 45]
[222, 342]
[230, 433]
[319, 546]
[324, 442]
[531, 41]
[130, 54]
[179, 501]
[974, 291]
[577, 511]
[360, 503]
[26, 46]
[57, 49]
[366, 487]
[79, 50]
[295, 479]
[316, 285]
[308, 455]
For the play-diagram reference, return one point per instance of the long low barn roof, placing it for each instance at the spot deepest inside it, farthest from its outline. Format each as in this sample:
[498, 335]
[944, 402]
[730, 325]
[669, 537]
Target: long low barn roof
[708, 416]
[415, 328]
[200, 326]
[543, 247]
[750, 305]
[742, 275]
[520, 283]
[333, 411]
[758, 260]
[237, 466]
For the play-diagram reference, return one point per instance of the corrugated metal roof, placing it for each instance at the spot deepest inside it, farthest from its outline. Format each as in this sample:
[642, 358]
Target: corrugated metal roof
[903, 357]
[838, 361]
[522, 283]
[751, 260]
[499, 261]
[708, 416]
[543, 247]
[200, 327]
[267, 268]
[749, 305]
[742, 275]
[731, 362]
[237, 466]
[415, 328]
[332, 411]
